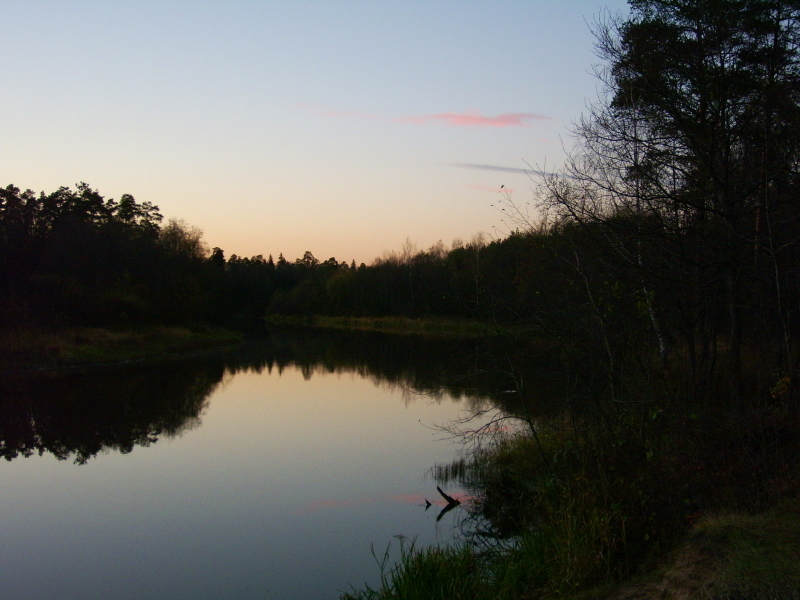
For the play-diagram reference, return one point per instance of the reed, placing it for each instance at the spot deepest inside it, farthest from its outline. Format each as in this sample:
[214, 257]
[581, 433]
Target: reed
[433, 573]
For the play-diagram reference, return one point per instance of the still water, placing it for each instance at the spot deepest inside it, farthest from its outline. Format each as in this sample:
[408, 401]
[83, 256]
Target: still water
[265, 472]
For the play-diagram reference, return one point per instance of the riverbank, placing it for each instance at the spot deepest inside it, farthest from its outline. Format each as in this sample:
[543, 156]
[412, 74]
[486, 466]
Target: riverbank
[641, 505]
[35, 349]
[439, 327]
[724, 557]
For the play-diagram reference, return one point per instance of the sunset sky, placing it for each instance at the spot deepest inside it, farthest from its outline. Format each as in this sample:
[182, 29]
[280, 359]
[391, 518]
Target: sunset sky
[339, 127]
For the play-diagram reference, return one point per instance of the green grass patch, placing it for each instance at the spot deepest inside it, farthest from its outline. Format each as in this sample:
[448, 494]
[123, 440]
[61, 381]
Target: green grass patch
[759, 554]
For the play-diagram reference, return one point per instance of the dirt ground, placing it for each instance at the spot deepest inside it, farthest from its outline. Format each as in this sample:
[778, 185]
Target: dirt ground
[747, 556]
[691, 576]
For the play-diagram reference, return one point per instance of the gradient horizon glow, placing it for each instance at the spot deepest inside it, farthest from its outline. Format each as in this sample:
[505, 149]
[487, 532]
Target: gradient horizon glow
[343, 128]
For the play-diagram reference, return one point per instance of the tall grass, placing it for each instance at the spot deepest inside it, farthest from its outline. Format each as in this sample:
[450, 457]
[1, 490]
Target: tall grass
[433, 573]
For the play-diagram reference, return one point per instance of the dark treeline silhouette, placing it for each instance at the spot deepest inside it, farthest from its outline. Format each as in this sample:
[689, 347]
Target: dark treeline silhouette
[73, 257]
[77, 414]
[475, 280]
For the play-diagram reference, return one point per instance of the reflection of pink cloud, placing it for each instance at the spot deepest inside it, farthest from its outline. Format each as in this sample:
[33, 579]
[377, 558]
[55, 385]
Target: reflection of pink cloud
[434, 499]
[419, 499]
[408, 498]
[318, 505]
[322, 504]
[439, 501]
[463, 498]
[473, 119]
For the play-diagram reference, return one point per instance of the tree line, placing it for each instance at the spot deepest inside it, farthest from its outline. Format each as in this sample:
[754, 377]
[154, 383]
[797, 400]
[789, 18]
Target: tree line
[686, 177]
[74, 257]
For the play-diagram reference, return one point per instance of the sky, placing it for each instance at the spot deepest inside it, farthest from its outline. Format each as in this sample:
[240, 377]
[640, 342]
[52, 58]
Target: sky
[344, 128]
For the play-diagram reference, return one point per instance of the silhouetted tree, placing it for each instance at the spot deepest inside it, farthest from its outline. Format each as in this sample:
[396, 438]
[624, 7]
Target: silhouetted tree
[690, 167]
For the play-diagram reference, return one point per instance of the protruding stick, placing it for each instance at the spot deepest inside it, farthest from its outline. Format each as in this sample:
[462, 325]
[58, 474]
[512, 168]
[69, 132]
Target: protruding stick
[450, 499]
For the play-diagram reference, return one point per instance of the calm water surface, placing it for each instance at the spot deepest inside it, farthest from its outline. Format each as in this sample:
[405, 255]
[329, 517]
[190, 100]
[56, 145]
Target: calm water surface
[264, 473]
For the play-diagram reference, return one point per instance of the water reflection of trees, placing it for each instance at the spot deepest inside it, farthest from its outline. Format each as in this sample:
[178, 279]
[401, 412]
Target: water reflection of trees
[474, 370]
[79, 414]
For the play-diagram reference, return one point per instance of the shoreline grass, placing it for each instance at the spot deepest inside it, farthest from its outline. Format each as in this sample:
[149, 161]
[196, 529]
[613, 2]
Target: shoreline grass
[428, 326]
[726, 557]
[26, 350]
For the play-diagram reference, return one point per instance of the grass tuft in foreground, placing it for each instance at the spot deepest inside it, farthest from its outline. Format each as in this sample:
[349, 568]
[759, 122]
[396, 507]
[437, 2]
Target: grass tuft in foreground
[427, 574]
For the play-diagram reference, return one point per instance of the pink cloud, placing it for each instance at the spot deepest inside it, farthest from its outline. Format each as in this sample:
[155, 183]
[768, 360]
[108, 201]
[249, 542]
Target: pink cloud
[465, 119]
[474, 119]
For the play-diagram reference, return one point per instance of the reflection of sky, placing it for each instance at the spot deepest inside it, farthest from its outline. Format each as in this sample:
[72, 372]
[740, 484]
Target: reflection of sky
[336, 127]
[279, 493]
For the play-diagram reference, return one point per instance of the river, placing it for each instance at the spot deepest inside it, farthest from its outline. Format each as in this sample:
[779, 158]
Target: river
[268, 471]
